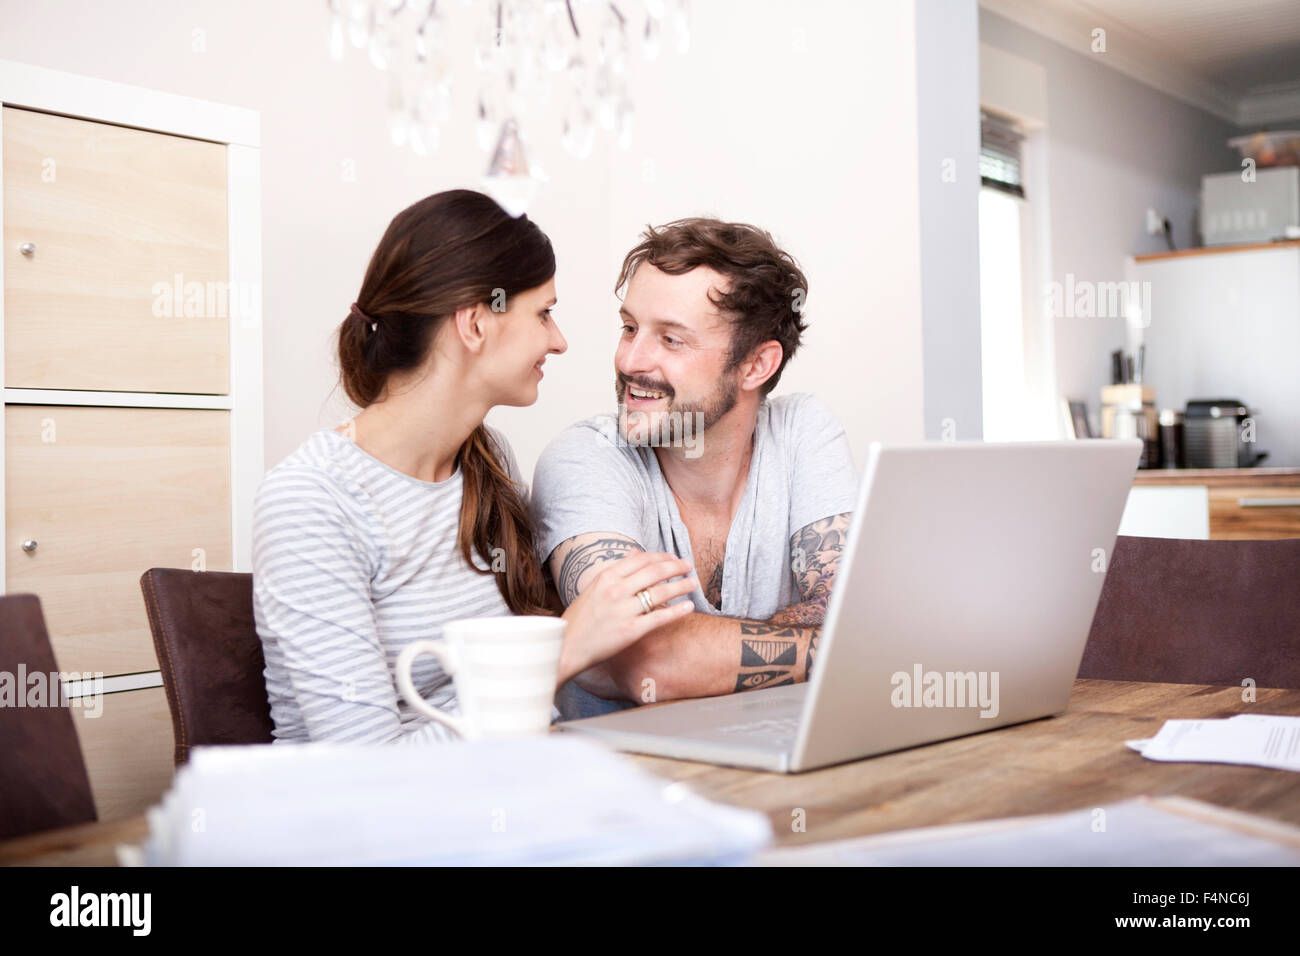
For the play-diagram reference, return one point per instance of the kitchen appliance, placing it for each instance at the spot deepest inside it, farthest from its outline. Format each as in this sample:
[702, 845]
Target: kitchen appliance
[1214, 435]
[1172, 440]
[1257, 209]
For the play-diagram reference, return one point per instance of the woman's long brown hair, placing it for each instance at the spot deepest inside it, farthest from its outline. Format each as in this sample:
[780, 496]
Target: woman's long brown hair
[448, 251]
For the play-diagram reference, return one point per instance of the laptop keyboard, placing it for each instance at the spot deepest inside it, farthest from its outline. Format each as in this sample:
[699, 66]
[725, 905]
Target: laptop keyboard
[766, 727]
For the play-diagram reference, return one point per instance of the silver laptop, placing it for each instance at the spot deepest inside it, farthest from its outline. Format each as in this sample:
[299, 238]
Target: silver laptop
[962, 603]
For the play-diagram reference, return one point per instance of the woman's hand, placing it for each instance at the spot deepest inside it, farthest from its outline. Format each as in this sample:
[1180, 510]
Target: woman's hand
[608, 616]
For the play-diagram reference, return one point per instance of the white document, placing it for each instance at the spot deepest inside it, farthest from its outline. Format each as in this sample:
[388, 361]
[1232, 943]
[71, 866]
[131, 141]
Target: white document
[1259, 740]
[541, 800]
[1145, 831]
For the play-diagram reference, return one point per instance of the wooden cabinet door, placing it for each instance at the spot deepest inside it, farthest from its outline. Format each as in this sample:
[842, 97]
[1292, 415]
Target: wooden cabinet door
[124, 285]
[1248, 512]
[106, 494]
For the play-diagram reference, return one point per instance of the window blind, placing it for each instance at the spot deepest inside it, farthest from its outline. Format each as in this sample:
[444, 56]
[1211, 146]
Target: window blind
[1000, 154]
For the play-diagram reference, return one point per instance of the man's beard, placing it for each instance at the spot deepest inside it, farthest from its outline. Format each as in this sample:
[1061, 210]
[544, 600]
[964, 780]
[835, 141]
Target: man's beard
[678, 423]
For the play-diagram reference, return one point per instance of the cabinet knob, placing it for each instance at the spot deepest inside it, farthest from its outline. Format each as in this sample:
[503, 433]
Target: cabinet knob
[29, 545]
[28, 248]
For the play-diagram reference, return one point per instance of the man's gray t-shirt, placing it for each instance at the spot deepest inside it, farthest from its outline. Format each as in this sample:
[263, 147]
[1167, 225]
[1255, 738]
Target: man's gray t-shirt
[590, 479]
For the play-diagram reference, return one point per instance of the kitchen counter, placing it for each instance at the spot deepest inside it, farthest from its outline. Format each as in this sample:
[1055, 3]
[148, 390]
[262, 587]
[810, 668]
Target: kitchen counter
[1216, 250]
[1238, 502]
[1268, 477]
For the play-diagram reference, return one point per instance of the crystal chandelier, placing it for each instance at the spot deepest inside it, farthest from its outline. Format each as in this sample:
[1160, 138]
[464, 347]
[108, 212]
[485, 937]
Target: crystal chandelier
[524, 51]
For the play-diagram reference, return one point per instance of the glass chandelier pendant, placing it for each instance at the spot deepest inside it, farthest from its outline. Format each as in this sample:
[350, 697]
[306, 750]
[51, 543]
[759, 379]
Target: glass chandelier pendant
[519, 48]
[509, 180]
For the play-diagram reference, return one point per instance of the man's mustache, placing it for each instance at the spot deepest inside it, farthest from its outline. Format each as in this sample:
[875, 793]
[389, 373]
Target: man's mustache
[623, 383]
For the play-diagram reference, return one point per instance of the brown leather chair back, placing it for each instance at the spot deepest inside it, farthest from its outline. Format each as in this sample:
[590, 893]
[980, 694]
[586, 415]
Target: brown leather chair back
[44, 783]
[210, 655]
[1198, 612]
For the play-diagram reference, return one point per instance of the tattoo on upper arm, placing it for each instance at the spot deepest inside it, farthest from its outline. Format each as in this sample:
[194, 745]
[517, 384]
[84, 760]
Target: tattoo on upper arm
[815, 558]
[815, 554]
[583, 557]
[809, 614]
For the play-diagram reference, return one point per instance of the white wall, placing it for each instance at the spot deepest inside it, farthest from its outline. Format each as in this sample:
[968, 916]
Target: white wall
[778, 119]
[948, 85]
[800, 118]
[775, 118]
[1114, 146]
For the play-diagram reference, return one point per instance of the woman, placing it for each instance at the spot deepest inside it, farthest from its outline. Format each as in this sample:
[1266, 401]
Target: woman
[374, 534]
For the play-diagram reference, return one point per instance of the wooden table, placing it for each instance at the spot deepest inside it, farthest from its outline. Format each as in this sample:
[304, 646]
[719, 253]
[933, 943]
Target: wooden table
[1046, 766]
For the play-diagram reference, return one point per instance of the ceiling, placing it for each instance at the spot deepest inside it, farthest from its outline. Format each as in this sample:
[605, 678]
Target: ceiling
[1239, 59]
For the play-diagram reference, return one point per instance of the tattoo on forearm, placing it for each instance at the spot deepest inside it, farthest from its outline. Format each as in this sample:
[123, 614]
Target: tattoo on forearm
[769, 655]
[763, 679]
[767, 629]
[812, 653]
[580, 559]
[758, 653]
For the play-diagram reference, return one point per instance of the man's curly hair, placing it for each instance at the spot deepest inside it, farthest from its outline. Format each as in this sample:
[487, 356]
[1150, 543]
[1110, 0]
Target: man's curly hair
[765, 291]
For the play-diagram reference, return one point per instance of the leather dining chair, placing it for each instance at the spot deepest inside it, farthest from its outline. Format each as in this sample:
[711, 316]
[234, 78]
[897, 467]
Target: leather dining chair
[44, 783]
[210, 656]
[1198, 612]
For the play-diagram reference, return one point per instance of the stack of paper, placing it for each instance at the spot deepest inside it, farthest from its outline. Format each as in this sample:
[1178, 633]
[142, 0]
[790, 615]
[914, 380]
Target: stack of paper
[1260, 740]
[542, 800]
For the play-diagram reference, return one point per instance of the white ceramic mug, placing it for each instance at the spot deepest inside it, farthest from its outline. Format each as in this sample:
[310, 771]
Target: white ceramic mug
[505, 670]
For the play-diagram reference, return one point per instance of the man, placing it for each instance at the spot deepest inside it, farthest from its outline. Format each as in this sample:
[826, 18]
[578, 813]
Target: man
[755, 492]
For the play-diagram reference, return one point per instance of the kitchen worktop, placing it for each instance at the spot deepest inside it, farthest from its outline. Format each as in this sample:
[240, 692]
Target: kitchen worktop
[1216, 250]
[1217, 476]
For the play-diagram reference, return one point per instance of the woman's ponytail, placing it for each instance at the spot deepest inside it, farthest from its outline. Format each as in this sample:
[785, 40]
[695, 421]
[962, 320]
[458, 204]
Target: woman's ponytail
[449, 250]
[494, 521]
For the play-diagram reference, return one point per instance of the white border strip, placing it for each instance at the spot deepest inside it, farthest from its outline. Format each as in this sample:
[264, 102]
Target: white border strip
[83, 97]
[4, 587]
[59, 396]
[111, 685]
[244, 201]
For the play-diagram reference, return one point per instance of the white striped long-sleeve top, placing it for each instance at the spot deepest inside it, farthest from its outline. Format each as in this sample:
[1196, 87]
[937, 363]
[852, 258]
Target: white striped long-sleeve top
[352, 561]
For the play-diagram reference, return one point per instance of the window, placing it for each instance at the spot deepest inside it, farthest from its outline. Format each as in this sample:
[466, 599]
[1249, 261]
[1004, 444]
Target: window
[1000, 155]
[1002, 340]
[1016, 350]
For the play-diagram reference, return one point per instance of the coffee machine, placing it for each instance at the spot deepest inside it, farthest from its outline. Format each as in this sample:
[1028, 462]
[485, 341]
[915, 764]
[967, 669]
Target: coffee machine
[1216, 434]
